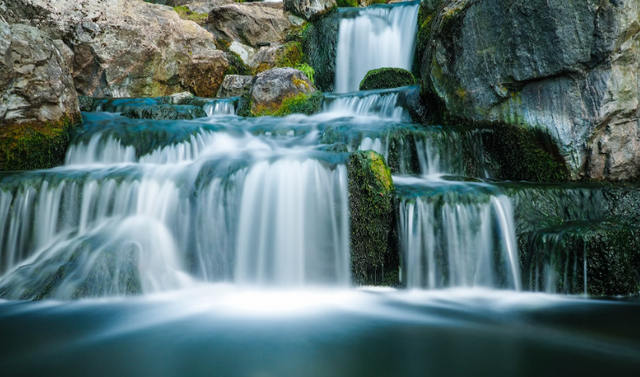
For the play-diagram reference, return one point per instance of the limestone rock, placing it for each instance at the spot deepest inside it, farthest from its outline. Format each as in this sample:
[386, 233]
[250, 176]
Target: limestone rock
[128, 48]
[308, 9]
[250, 23]
[234, 85]
[279, 92]
[37, 100]
[570, 68]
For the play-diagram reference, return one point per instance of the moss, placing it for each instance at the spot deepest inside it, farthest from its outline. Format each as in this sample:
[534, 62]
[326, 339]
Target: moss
[374, 257]
[186, 14]
[236, 65]
[299, 104]
[385, 78]
[290, 56]
[30, 146]
[347, 3]
[522, 154]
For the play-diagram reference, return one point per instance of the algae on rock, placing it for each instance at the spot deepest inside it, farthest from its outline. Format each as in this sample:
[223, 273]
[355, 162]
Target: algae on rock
[374, 254]
[387, 78]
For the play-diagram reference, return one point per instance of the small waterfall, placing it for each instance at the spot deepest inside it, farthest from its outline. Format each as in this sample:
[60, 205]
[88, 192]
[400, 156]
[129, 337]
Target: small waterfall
[384, 104]
[374, 37]
[457, 235]
[225, 106]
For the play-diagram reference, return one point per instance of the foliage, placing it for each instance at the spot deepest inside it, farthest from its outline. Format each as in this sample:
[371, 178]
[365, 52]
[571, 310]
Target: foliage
[347, 3]
[385, 78]
[299, 104]
[290, 56]
[307, 70]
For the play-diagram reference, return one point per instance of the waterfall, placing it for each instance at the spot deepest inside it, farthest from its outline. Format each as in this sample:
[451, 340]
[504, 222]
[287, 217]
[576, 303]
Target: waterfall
[219, 205]
[384, 104]
[457, 235]
[225, 106]
[374, 37]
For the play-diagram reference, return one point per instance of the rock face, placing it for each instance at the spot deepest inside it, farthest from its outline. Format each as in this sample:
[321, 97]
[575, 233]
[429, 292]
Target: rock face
[570, 68]
[308, 9]
[280, 92]
[38, 103]
[249, 23]
[235, 85]
[127, 48]
[320, 47]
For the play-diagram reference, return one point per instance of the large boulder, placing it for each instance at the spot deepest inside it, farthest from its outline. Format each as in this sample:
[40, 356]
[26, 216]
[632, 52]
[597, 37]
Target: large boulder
[38, 103]
[127, 48]
[568, 68]
[280, 92]
[309, 9]
[252, 24]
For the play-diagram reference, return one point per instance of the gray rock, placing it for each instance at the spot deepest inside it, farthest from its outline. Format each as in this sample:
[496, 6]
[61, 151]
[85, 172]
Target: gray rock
[243, 51]
[184, 98]
[128, 48]
[249, 23]
[234, 85]
[308, 9]
[164, 112]
[570, 68]
[35, 80]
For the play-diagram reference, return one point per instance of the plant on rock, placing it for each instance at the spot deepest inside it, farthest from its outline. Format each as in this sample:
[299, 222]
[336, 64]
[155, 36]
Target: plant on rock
[386, 78]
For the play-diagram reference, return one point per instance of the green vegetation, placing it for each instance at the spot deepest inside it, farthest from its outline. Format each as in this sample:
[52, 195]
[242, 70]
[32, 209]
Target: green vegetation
[307, 70]
[236, 65]
[385, 78]
[347, 3]
[299, 104]
[374, 257]
[32, 146]
[290, 56]
[186, 14]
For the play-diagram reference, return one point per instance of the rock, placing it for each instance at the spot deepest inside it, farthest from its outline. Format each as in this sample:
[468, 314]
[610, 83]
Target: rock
[245, 52]
[165, 112]
[566, 67]
[280, 92]
[184, 98]
[164, 53]
[86, 103]
[309, 9]
[386, 78]
[320, 48]
[249, 23]
[38, 103]
[235, 85]
[374, 259]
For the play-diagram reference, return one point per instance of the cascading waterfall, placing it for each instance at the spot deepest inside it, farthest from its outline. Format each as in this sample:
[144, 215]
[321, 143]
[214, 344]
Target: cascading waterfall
[374, 37]
[225, 106]
[218, 206]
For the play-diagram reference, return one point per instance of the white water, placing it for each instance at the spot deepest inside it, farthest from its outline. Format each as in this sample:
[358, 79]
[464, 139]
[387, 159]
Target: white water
[220, 107]
[458, 237]
[377, 37]
[381, 105]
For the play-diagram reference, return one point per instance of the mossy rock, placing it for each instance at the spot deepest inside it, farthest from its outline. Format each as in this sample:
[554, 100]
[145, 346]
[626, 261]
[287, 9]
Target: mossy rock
[374, 254]
[518, 153]
[31, 146]
[612, 264]
[387, 78]
[347, 3]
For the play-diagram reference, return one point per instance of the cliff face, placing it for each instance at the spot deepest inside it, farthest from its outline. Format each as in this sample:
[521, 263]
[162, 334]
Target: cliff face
[565, 66]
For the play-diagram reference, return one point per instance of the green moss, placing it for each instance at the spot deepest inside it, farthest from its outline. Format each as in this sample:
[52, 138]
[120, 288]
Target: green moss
[299, 104]
[374, 257]
[385, 78]
[186, 14]
[426, 15]
[290, 56]
[347, 3]
[236, 65]
[522, 154]
[32, 146]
